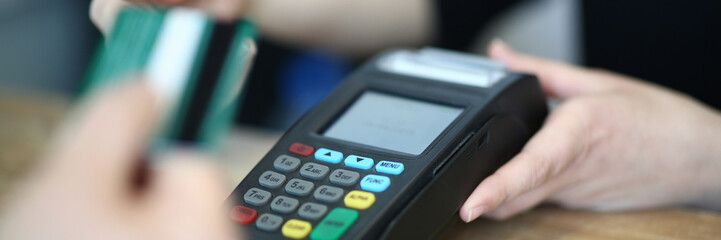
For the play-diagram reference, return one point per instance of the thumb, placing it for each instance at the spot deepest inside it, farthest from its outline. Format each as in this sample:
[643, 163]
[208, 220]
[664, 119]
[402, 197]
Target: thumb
[99, 148]
[557, 79]
[104, 12]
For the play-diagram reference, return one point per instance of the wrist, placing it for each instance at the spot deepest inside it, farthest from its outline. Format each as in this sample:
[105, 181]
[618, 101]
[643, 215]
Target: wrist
[708, 165]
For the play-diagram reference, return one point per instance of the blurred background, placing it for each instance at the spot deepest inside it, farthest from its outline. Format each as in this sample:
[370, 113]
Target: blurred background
[46, 46]
[306, 48]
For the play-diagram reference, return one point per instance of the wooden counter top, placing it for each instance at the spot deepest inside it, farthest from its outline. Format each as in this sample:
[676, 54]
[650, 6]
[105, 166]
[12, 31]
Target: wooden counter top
[548, 222]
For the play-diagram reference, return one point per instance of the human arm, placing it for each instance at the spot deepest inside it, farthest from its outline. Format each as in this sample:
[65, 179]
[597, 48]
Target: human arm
[353, 28]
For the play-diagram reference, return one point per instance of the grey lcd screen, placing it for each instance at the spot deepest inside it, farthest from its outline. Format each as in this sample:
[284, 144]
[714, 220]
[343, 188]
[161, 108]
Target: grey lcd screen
[392, 122]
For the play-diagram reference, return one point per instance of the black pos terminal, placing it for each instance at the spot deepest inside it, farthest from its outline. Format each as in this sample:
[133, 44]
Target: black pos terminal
[393, 152]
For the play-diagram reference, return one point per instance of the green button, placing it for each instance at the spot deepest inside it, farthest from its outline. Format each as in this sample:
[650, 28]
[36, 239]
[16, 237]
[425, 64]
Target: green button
[335, 224]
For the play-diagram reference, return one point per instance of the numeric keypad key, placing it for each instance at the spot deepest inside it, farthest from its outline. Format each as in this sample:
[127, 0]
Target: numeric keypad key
[268, 222]
[256, 196]
[299, 187]
[283, 204]
[286, 163]
[312, 211]
[344, 177]
[271, 179]
[328, 194]
[314, 171]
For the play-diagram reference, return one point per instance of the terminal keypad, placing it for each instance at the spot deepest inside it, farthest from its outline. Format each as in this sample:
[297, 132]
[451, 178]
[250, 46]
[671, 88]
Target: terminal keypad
[334, 205]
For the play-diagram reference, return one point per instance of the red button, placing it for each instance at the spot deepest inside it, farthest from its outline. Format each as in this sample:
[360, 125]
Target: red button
[243, 215]
[301, 149]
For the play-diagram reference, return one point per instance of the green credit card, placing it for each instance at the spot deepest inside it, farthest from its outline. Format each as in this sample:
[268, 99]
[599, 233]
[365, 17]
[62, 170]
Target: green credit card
[195, 65]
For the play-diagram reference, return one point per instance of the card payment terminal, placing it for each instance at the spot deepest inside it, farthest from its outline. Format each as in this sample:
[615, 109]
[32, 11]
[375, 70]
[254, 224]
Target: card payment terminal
[393, 152]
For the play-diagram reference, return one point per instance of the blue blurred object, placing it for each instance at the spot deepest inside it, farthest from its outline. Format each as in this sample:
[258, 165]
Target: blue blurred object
[44, 45]
[304, 80]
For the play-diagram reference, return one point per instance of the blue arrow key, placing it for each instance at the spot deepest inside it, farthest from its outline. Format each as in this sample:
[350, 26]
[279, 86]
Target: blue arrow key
[359, 162]
[328, 155]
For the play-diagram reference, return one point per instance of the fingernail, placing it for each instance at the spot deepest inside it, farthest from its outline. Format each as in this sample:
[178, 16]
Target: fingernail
[478, 211]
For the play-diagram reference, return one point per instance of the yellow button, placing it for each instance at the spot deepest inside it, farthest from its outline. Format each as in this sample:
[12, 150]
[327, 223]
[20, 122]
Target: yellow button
[359, 199]
[296, 229]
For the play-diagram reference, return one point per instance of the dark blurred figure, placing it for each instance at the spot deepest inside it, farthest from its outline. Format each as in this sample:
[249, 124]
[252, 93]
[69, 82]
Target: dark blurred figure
[673, 43]
[670, 42]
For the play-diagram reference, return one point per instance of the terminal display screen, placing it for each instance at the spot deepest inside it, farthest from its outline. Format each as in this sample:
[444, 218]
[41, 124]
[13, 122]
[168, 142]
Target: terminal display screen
[392, 122]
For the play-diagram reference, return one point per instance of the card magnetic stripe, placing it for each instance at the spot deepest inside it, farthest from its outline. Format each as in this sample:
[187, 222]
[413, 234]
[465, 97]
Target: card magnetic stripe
[231, 87]
[209, 104]
[198, 98]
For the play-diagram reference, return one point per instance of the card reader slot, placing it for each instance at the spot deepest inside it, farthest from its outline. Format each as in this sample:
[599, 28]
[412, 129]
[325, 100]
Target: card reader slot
[453, 153]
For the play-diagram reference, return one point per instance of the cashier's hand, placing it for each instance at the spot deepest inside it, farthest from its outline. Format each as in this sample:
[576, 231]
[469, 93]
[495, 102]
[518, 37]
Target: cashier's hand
[614, 143]
[88, 187]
